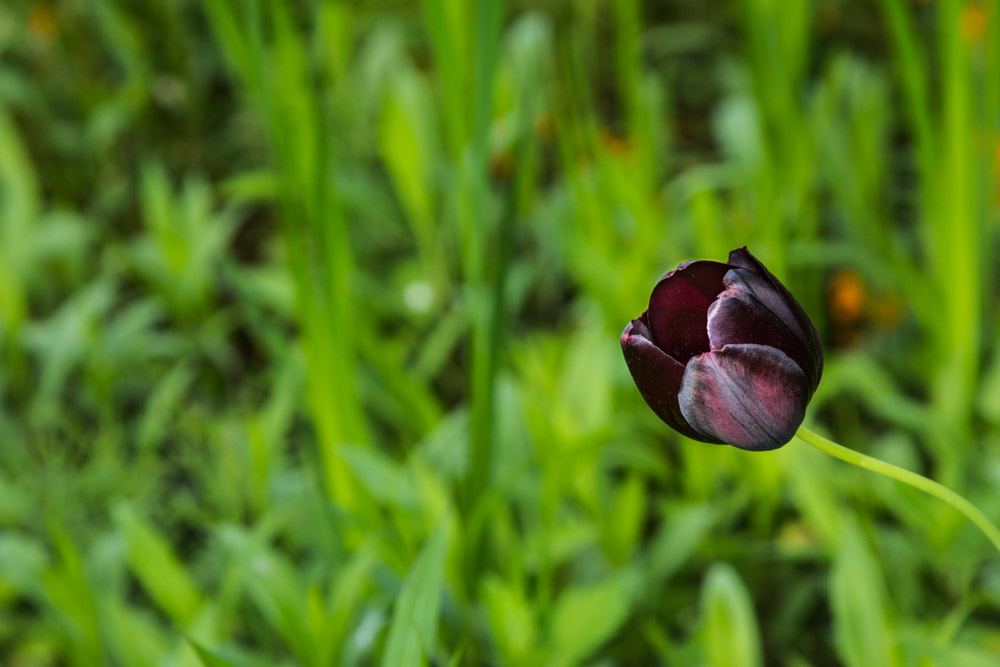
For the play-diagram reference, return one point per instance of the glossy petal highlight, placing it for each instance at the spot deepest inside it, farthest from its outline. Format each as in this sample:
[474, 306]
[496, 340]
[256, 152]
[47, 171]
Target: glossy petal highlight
[750, 396]
[776, 296]
[739, 316]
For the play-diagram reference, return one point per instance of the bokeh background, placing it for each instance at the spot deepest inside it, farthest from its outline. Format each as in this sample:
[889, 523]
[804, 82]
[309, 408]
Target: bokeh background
[309, 318]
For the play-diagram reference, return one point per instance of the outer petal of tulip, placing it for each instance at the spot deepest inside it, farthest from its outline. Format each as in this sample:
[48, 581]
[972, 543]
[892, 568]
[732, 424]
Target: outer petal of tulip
[657, 375]
[750, 396]
[780, 301]
[739, 316]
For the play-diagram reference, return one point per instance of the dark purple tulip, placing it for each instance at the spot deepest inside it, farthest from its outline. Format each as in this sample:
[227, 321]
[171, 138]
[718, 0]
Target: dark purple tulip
[725, 353]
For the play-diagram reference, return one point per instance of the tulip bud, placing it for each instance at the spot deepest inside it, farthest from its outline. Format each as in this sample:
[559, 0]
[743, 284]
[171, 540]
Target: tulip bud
[725, 354]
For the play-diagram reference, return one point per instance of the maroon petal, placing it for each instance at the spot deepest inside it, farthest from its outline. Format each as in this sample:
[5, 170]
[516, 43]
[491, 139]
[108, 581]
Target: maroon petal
[739, 316]
[780, 301]
[750, 396]
[678, 307]
[657, 375]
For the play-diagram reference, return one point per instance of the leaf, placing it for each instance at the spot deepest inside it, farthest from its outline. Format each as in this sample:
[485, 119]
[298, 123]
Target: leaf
[511, 620]
[677, 540]
[731, 635]
[413, 630]
[279, 593]
[587, 616]
[989, 395]
[863, 628]
[157, 568]
[22, 561]
[623, 523]
[583, 407]
[211, 657]
[384, 478]
[70, 593]
[134, 635]
[407, 148]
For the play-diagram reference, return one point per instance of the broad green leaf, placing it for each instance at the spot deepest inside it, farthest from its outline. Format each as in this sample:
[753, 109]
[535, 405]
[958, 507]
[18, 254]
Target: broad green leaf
[511, 619]
[210, 658]
[71, 596]
[681, 533]
[585, 617]
[405, 141]
[731, 636]
[384, 478]
[349, 591]
[560, 543]
[159, 571]
[22, 562]
[281, 596]
[813, 495]
[924, 651]
[583, 403]
[862, 621]
[413, 630]
[989, 396]
[223, 657]
[624, 521]
[134, 635]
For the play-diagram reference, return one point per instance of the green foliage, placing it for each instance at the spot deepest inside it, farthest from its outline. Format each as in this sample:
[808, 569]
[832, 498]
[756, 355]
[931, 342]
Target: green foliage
[731, 635]
[586, 616]
[159, 572]
[309, 317]
[863, 625]
[413, 630]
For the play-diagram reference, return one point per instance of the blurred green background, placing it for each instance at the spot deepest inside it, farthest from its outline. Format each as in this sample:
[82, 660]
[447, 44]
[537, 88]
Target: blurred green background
[309, 318]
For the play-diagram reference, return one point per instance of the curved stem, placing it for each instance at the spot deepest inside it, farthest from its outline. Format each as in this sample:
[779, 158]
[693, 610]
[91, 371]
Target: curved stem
[926, 485]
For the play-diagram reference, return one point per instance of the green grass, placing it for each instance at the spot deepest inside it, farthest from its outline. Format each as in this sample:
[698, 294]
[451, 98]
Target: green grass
[309, 318]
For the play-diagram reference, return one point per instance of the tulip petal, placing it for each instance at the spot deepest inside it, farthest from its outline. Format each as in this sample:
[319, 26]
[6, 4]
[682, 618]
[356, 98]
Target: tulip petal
[750, 396]
[657, 375]
[775, 296]
[739, 316]
[678, 307]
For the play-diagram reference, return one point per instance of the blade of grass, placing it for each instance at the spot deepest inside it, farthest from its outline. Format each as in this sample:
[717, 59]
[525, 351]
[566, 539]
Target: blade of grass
[275, 69]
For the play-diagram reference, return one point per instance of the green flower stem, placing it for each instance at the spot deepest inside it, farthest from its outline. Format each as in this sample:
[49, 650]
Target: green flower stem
[926, 485]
